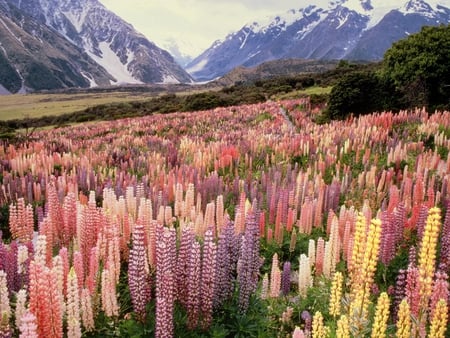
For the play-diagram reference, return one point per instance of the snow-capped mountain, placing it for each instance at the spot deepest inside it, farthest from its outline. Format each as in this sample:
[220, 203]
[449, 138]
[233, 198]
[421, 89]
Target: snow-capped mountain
[345, 29]
[34, 57]
[115, 45]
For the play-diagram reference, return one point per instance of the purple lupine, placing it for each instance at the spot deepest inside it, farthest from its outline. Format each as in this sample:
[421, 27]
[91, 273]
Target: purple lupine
[399, 221]
[193, 297]
[249, 262]
[138, 276]
[399, 291]
[225, 264]
[184, 254]
[8, 263]
[165, 286]
[286, 278]
[445, 242]
[307, 318]
[208, 278]
[387, 245]
[421, 220]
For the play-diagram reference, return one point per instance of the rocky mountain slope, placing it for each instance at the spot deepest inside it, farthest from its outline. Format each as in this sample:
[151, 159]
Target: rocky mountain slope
[49, 44]
[346, 29]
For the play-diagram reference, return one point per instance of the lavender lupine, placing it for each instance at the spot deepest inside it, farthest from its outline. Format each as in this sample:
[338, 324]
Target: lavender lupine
[208, 278]
[249, 262]
[138, 274]
[286, 278]
[182, 276]
[193, 296]
[445, 242]
[165, 283]
[225, 264]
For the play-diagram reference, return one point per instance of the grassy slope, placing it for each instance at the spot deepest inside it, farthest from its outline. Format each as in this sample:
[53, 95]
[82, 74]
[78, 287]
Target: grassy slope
[37, 105]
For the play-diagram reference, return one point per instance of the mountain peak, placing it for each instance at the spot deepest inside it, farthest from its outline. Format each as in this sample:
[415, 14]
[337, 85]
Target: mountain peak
[340, 29]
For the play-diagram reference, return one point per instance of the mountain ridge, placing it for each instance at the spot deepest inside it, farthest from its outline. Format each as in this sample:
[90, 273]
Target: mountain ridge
[52, 44]
[341, 30]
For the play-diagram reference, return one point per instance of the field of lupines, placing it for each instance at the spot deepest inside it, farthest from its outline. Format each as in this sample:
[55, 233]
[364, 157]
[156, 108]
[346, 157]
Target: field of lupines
[249, 221]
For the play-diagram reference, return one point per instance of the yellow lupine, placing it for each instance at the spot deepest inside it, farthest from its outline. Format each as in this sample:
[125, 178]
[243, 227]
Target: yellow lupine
[358, 248]
[381, 316]
[427, 256]
[404, 320]
[318, 328]
[361, 290]
[343, 327]
[439, 320]
[336, 294]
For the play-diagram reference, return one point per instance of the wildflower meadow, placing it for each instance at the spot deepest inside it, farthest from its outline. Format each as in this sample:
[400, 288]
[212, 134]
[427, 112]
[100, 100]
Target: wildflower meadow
[245, 221]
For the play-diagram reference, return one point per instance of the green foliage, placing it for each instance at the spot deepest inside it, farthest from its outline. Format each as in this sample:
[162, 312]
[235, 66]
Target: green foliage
[420, 67]
[358, 93]
[4, 222]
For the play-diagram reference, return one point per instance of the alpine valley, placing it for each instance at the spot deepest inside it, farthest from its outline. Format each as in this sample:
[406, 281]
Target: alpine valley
[52, 44]
[345, 29]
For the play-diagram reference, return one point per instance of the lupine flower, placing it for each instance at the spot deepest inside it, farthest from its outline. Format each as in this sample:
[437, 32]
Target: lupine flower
[440, 290]
[138, 277]
[286, 278]
[318, 327]
[87, 316]
[5, 308]
[193, 297]
[404, 320]
[28, 327]
[208, 278]
[182, 275]
[381, 317]
[249, 262]
[108, 294]
[73, 306]
[165, 278]
[343, 328]
[304, 275]
[427, 260]
[298, 333]
[275, 277]
[336, 294]
[21, 309]
[439, 320]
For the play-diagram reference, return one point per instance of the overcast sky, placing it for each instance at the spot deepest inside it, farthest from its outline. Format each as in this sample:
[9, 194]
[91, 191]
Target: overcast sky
[196, 24]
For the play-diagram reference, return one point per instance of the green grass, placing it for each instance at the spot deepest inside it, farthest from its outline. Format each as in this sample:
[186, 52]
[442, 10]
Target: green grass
[315, 90]
[20, 106]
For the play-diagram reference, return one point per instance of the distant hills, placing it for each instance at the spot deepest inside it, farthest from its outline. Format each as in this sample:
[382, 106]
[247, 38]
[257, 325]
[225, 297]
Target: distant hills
[66, 43]
[346, 29]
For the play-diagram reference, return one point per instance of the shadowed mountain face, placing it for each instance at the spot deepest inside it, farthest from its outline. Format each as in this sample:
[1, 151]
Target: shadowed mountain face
[55, 44]
[347, 29]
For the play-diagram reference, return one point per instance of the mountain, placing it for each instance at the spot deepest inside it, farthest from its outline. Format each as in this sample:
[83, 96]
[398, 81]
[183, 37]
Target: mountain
[345, 29]
[49, 44]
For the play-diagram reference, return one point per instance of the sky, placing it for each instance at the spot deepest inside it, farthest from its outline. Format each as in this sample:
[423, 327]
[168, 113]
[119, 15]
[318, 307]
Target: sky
[196, 24]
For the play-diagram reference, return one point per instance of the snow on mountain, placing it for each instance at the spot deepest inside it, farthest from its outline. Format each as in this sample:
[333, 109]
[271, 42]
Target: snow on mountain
[351, 29]
[113, 43]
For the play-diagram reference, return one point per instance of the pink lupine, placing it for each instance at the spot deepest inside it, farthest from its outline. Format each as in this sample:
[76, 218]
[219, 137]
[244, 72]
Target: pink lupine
[79, 268]
[440, 291]
[21, 222]
[108, 294]
[138, 274]
[28, 327]
[91, 279]
[275, 277]
[165, 283]
[87, 316]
